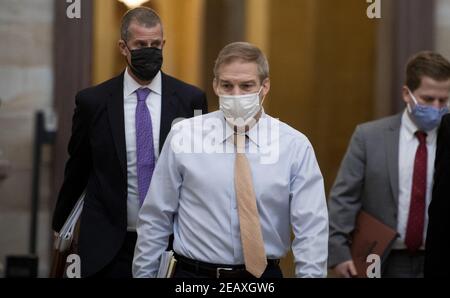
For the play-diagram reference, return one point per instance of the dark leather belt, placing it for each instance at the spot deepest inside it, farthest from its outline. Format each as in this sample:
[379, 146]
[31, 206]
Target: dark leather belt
[217, 270]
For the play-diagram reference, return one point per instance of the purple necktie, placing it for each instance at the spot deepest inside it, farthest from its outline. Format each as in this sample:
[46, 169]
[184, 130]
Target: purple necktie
[145, 154]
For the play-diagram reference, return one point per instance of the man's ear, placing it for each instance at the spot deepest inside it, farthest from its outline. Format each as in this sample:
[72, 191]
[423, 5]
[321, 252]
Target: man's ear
[265, 86]
[123, 48]
[215, 83]
[405, 94]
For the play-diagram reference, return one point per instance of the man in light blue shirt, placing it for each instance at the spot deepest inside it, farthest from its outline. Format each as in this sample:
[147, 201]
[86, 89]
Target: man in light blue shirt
[193, 190]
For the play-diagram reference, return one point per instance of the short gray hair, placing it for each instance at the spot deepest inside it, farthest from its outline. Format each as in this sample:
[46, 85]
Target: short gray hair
[246, 52]
[143, 16]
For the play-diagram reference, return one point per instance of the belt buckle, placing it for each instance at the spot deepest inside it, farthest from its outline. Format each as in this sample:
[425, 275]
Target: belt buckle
[222, 268]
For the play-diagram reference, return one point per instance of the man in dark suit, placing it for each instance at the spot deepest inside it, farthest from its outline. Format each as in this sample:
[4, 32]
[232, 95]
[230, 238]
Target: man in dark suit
[119, 127]
[437, 262]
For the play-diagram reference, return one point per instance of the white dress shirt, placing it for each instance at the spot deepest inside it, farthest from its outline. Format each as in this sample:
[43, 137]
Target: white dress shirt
[408, 145]
[154, 106]
[192, 194]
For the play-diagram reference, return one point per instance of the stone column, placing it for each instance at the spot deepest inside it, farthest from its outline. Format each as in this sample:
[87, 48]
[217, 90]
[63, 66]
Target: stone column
[26, 80]
[442, 27]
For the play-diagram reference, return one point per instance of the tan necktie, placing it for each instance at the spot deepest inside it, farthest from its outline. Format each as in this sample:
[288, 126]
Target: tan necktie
[251, 235]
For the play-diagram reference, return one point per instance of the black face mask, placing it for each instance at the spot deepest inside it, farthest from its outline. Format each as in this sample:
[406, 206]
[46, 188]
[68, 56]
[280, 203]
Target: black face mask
[146, 62]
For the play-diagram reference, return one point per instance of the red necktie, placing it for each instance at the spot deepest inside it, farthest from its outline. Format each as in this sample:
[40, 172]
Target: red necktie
[416, 218]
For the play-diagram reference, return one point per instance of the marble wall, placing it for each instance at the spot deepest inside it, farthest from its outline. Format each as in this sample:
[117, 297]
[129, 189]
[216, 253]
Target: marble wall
[26, 84]
[26, 30]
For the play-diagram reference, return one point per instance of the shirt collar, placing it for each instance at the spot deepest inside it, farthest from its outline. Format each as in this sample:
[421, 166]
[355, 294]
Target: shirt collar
[252, 133]
[130, 85]
[411, 128]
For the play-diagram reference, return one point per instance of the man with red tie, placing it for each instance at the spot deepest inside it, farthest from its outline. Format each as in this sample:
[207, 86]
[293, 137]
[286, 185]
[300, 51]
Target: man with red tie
[388, 172]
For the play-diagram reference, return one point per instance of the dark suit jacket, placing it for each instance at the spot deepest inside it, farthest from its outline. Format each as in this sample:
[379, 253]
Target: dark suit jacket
[98, 161]
[437, 261]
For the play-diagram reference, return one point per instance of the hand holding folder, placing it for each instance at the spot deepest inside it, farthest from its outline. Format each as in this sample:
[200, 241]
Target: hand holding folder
[64, 243]
[370, 236]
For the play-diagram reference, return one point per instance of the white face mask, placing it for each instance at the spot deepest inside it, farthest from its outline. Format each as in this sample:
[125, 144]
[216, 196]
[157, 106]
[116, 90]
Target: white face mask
[240, 110]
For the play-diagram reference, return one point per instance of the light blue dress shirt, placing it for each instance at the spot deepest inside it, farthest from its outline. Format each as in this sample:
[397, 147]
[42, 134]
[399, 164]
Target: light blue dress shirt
[192, 195]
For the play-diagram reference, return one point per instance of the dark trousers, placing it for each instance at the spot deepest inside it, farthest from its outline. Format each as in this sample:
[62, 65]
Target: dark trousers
[120, 266]
[402, 264]
[271, 272]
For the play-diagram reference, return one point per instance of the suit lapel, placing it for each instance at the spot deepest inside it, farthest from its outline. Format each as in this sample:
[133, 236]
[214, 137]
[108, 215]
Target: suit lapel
[392, 135]
[168, 109]
[116, 121]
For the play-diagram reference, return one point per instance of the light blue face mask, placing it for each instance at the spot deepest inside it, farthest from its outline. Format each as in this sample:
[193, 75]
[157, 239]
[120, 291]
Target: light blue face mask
[426, 117]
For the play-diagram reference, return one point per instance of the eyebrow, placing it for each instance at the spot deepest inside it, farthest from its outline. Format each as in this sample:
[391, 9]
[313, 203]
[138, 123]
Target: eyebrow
[146, 40]
[249, 82]
[245, 82]
[432, 98]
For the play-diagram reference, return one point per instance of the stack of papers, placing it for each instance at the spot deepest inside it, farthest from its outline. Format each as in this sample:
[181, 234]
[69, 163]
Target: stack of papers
[166, 265]
[65, 236]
